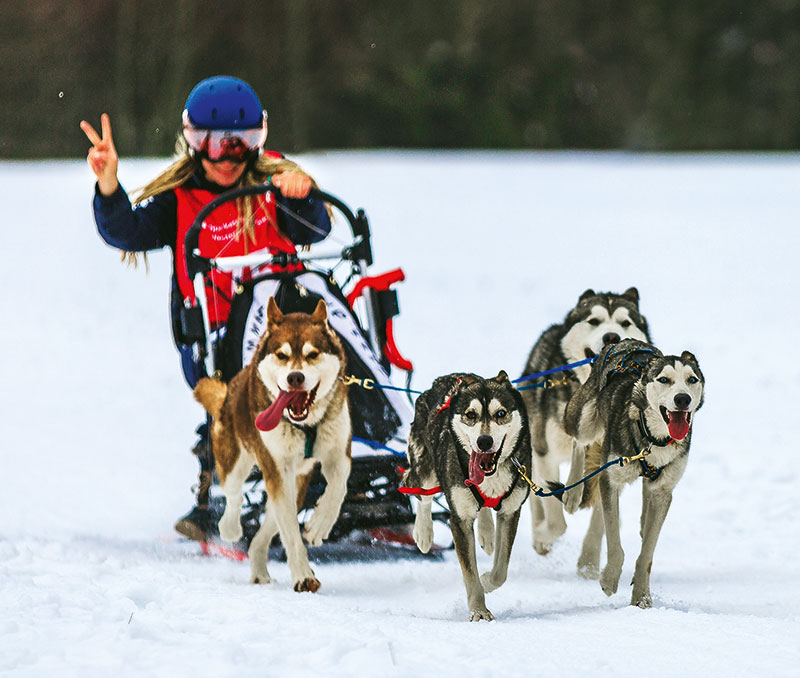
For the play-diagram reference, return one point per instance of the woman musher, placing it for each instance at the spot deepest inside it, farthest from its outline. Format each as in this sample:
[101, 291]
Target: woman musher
[221, 147]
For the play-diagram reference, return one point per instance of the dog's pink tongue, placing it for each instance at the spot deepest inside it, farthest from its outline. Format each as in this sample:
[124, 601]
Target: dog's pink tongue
[678, 425]
[476, 473]
[269, 418]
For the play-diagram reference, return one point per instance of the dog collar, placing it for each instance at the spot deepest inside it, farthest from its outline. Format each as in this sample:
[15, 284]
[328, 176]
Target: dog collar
[658, 442]
[310, 433]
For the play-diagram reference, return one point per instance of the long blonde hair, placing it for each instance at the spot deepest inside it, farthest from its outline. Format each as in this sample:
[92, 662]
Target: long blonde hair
[184, 166]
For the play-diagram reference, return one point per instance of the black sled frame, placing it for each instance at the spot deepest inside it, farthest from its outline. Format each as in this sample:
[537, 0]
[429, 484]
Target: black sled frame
[373, 505]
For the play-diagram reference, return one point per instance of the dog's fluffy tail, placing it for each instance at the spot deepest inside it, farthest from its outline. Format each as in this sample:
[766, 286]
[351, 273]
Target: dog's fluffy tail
[590, 496]
[554, 486]
[210, 393]
[591, 488]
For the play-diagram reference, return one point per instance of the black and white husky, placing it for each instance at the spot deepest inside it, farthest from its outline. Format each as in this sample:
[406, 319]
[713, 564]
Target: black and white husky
[636, 402]
[465, 431]
[598, 319]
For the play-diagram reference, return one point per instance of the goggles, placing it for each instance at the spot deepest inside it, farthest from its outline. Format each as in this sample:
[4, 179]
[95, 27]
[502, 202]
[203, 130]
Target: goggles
[217, 145]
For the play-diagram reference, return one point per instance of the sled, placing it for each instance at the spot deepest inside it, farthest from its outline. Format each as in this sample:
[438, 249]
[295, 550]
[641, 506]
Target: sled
[381, 413]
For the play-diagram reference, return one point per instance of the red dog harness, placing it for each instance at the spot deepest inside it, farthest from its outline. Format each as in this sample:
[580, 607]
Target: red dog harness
[482, 499]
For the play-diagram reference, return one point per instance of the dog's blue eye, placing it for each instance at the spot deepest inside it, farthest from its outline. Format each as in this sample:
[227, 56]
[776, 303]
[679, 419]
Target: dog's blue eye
[663, 380]
[500, 414]
[692, 380]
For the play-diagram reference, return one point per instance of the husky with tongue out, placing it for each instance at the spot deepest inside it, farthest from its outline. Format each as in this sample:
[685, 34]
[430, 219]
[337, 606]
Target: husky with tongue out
[636, 400]
[597, 320]
[465, 431]
[285, 411]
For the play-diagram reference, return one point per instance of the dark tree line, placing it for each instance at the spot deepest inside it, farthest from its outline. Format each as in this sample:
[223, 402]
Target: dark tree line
[630, 74]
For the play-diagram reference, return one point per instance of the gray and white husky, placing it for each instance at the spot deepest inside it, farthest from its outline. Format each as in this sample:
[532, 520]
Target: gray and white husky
[636, 401]
[465, 431]
[598, 319]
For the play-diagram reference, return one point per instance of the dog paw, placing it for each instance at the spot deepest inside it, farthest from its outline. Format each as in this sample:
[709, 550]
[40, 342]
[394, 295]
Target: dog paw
[641, 595]
[314, 535]
[545, 536]
[487, 544]
[609, 580]
[318, 527]
[423, 536]
[589, 563]
[230, 529]
[486, 540]
[572, 500]
[308, 584]
[258, 567]
[589, 570]
[478, 615]
[488, 583]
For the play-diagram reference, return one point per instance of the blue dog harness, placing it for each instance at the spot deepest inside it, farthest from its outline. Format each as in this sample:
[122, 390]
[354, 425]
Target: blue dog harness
[626, 359]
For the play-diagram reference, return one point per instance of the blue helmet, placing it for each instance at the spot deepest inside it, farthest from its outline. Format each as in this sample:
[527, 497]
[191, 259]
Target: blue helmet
[223, 102]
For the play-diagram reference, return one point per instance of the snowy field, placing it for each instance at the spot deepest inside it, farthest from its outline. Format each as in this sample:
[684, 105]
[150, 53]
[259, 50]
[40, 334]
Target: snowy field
[97, 425]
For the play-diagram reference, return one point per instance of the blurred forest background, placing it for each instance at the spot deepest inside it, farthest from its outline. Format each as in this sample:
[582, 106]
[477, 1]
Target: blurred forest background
[526, 74]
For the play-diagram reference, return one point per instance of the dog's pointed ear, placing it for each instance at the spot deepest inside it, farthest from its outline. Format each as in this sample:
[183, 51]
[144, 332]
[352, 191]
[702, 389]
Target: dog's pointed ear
[274, 315]
[501, 376]
[632, 294]
[320, 314]
[688, 356]
[586, 295]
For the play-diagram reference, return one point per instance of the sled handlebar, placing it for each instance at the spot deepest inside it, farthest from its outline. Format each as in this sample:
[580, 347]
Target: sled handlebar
[360, 250]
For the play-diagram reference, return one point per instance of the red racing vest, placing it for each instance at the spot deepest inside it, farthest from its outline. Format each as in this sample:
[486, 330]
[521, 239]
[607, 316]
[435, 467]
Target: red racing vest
[219, 237]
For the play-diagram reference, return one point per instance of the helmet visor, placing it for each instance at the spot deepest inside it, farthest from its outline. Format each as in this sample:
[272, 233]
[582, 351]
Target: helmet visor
[217, 145]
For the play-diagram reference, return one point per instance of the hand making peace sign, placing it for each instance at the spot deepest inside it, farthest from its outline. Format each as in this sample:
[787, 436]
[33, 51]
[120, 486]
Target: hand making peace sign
[102, 158]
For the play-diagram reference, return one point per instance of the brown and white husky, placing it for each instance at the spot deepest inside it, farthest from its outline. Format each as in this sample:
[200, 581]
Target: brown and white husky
[289, 394]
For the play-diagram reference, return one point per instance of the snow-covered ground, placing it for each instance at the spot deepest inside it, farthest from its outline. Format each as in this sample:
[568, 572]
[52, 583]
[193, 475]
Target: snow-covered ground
[97, 426]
